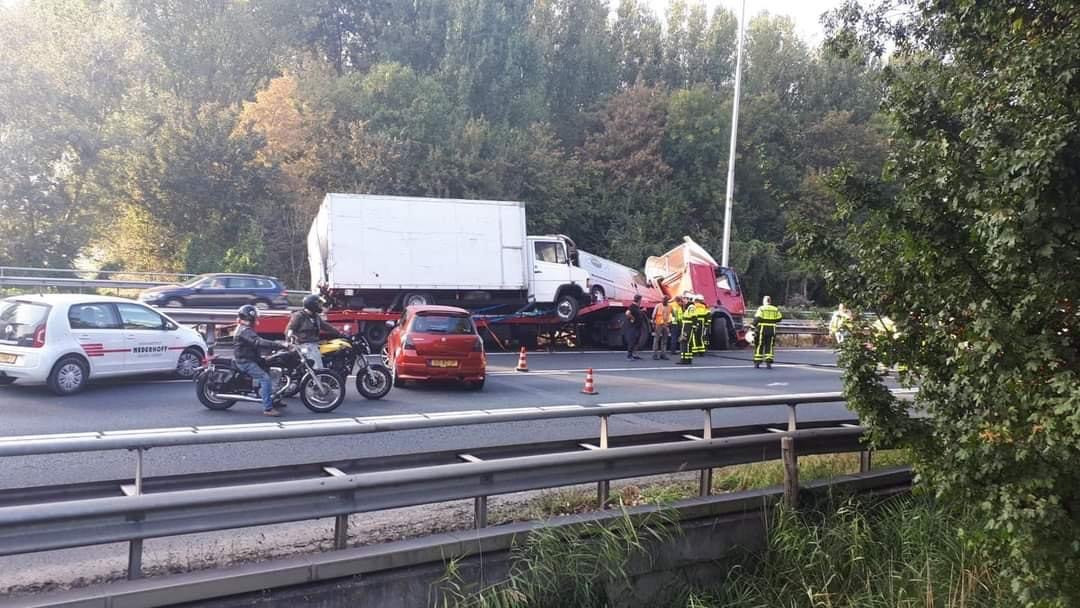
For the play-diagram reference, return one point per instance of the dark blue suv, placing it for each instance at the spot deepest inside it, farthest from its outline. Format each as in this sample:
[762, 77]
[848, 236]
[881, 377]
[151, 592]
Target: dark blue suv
[219, 291]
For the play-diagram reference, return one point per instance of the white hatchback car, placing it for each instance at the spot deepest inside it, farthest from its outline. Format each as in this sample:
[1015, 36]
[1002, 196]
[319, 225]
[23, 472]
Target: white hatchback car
[64, 340]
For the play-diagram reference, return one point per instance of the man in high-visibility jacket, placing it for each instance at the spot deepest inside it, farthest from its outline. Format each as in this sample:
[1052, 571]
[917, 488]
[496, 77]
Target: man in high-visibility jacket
[766, 319]
[700, 313]
[676, 323]
[686, 333]
[661, 329]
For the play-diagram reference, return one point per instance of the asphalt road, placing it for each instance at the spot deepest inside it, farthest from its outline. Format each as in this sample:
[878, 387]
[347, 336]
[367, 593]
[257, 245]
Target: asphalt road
[553, 379]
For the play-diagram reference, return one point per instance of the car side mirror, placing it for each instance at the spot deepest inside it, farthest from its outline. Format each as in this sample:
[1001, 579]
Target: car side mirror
[391, 324]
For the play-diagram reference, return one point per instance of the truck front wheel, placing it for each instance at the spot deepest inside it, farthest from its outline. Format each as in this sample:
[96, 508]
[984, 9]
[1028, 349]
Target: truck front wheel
[721, 338]
[566, 307]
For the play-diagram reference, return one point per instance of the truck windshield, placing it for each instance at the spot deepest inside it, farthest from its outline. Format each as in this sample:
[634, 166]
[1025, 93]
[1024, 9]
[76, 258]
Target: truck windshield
[726, 280]
[19, 321]
[443, 324]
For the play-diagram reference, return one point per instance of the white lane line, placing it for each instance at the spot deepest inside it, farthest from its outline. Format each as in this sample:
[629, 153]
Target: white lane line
[623, 352]
[563, 372]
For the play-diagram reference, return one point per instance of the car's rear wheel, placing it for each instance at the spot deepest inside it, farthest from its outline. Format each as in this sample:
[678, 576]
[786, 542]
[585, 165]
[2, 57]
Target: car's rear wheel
[68, 376]
[475, 385]
[262, 304]
[189, 361]
[6, 380]
[417, 299]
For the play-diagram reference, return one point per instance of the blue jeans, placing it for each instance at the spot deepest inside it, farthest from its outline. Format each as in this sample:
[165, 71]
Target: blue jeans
[258, 374]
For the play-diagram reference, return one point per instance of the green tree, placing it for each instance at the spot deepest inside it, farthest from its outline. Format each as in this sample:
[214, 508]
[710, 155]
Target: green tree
[971, 250]
[637, 43]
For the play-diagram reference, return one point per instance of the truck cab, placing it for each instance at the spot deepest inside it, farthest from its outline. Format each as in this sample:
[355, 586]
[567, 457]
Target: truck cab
[554, 276]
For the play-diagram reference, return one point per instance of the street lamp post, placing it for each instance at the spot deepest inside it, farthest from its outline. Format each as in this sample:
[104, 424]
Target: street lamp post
[734, 132]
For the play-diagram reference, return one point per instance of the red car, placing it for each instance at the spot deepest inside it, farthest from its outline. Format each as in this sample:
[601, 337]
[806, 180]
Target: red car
[436, 343]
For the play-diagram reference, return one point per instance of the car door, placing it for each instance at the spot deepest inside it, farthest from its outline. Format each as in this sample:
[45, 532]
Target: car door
[150, 343]
[96, 327]
[241, 291]
[550, 269]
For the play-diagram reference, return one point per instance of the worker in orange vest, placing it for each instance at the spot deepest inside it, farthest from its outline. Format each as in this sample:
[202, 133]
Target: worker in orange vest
[661, 329]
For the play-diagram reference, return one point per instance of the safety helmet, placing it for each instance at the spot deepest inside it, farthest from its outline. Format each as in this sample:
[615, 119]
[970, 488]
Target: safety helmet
[313, 303]
[698, 297]
[247, 312]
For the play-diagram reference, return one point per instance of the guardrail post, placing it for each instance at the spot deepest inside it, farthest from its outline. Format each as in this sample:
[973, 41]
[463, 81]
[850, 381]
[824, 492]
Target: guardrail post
[705, 485]
[792, 418]
[480, 512]
[791, 471]
[134, 569]
[603, 488]
[866, 461]
[341, 531]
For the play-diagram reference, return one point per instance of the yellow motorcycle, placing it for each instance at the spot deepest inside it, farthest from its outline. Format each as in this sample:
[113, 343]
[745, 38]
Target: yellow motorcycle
[373, 380]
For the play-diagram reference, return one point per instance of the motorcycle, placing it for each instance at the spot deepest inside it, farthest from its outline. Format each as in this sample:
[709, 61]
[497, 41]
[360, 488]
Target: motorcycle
[342, 355]
[373, 380]
[219, 385]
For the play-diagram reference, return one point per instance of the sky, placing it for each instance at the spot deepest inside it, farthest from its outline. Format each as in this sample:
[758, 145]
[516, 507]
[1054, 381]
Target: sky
[805, 13]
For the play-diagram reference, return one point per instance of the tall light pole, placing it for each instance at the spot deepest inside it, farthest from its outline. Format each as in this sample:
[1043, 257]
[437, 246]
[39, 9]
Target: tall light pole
[734, 132]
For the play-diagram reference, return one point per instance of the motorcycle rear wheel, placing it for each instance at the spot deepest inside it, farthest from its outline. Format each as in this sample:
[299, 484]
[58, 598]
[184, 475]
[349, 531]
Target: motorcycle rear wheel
[327, 401]
[374, 382]
[205, 393]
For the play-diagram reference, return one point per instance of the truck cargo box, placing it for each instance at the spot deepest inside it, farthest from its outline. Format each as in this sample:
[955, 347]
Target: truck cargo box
[368, 242]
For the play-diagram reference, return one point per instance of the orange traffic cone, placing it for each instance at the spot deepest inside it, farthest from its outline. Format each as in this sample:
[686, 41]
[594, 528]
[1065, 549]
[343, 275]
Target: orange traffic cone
[589, 388]
[523, 363]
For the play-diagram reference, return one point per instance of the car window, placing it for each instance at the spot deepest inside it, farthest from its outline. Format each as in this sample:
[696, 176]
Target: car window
[443, 324]
[215, 283]
[140, 317]
[93, 316]
[241, 283]
[19, 321]
[550, 252]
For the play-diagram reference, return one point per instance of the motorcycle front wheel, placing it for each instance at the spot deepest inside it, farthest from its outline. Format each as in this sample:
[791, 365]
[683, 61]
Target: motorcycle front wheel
[208, 398]
[326, 400]
[374, 382]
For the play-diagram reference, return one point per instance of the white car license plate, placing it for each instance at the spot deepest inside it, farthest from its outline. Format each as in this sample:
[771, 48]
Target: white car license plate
[6, 358]
[443, 363]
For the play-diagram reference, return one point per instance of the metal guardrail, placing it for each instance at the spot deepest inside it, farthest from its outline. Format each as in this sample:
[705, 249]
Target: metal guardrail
[59, 523]
[18, 276]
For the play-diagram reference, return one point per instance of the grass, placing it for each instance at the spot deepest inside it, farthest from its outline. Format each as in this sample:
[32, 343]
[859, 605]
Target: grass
[569, 501]
[903, 552]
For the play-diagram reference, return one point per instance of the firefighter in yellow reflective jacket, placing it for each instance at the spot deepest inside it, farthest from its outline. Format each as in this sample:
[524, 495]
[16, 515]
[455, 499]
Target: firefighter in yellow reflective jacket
[700, 314]
[677, 309]
[766, 319]
[686, 332]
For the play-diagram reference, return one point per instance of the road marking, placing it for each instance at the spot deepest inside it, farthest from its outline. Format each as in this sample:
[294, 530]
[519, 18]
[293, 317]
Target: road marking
[565, 372]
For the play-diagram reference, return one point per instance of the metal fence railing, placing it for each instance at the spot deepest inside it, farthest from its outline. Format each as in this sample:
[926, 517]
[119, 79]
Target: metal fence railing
[40, 519]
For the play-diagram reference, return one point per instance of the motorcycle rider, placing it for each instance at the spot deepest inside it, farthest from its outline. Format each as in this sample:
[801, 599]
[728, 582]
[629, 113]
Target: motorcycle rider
[305, 327]
[246, 356]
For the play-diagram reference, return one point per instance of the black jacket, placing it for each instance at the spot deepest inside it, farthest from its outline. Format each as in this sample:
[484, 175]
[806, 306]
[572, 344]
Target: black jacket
[246, 344]
[306, 327]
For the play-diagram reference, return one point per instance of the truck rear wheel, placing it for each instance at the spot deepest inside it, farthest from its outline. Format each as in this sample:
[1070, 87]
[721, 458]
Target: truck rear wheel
[417, 299]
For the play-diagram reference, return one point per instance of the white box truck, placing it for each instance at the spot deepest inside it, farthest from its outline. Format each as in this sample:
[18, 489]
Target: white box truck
[388, 252]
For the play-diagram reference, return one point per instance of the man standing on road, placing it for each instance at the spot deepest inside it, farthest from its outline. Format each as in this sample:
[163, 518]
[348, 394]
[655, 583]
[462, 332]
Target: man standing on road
[766, 319]
[661, 329]
[306, 325]
[699, 315]
[677, 312]
[839, 323]
[686, 332]
[635, 322]
[246, 355]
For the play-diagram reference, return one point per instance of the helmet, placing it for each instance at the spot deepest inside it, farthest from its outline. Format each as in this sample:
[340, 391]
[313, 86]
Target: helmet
[247, 312]
[698, 297]
[313, 303]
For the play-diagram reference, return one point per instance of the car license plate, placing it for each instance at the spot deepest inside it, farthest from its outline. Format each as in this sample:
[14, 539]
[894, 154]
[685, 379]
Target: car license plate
[6, 358]
[443, 363]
